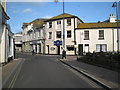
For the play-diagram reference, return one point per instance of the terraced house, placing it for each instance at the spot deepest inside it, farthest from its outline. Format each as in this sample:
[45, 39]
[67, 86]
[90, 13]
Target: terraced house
[6, 36]
[54, 33]
[43, 35]
[97, 37]
[33, 36]
[18, 41]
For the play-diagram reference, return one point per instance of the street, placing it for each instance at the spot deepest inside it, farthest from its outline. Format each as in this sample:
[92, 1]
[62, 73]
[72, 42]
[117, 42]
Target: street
[37, 71]
[60, 44]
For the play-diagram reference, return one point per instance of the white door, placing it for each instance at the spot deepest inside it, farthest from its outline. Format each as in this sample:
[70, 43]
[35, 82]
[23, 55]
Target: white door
[37, 48]
[97, 48]
[34, 48]
[86, 48]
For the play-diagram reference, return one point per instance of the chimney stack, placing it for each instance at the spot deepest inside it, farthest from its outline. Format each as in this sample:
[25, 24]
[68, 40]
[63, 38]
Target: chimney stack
[112, 18]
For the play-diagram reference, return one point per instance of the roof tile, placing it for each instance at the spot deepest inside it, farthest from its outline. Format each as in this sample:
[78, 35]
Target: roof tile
[97, 25]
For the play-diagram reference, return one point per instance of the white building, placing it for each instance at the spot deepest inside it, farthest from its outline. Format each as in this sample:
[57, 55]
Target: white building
[6, 36]
[42, 36]
[18, 41]
[97, 37]
[10, 44]
[54, 32]
[33, 36]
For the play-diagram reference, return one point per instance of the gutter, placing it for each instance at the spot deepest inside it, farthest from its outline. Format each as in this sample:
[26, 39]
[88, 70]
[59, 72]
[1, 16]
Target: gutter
[107, 87]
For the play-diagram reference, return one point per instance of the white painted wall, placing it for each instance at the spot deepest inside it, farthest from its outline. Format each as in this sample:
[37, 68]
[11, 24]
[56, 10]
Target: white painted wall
[3, 45]
[68, 41]
[93, 38]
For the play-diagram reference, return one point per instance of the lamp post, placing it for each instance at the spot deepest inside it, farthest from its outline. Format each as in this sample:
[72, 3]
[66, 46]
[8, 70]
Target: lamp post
[64, 52]
[115, 4]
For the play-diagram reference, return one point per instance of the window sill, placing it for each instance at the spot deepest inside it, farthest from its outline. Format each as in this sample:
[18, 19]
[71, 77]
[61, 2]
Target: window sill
[100, 38]
[58, 38]
[68, 25]
[70, 51]
[86, 39]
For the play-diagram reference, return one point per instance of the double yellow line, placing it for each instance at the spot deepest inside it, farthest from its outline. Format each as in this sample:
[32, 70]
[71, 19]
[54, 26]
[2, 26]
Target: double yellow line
[15, 76]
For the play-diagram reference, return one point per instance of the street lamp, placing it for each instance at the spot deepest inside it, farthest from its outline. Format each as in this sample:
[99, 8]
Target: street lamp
[115, 4]
[64, 52]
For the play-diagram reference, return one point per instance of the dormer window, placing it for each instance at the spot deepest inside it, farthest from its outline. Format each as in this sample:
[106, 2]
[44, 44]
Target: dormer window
[68, 22]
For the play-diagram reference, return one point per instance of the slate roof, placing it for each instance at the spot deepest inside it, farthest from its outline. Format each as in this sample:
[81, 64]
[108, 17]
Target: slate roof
[36, 23]
[3, 11]
[39, 23]
[61, 17]
[97, 25]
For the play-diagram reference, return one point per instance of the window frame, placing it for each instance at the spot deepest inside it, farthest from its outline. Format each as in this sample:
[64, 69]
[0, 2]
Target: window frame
[86, 34]
[49, 35]
[57, 34]
[70, 33]
[50, 24]
[101, 35]
[59, 22]
[101, 47]
[69, 22]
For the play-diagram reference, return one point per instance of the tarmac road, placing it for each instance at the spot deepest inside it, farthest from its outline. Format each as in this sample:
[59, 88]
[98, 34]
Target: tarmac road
[44, 71]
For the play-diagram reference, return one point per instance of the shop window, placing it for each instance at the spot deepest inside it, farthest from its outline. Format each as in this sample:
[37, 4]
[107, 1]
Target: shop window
[70, 47]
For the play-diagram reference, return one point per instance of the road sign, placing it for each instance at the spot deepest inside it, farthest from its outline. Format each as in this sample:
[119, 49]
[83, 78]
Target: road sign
[57, 43]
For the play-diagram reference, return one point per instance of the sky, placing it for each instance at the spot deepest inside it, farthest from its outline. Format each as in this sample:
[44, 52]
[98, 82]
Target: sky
[89, 12]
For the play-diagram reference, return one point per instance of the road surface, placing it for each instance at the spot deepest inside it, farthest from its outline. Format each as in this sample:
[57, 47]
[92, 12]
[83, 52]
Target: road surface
[45, 71]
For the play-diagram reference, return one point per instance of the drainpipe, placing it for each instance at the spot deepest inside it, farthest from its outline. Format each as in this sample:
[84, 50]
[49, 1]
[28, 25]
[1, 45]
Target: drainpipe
[44, 39]
[74, 37]
[6, 33]
[113, 39]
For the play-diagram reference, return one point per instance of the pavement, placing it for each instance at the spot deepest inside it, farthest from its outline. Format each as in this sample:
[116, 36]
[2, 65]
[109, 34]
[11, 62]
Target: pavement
[8, 69]
[107, 76]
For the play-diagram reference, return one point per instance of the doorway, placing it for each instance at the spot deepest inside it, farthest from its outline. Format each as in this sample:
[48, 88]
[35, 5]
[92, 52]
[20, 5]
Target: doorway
[48, 48]
[35, 48]
[58, 51]
[80, 49]
[40, 48]
[86, 48]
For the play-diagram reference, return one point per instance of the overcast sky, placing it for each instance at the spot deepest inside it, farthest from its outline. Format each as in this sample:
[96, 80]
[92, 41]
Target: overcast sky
[27, 12]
